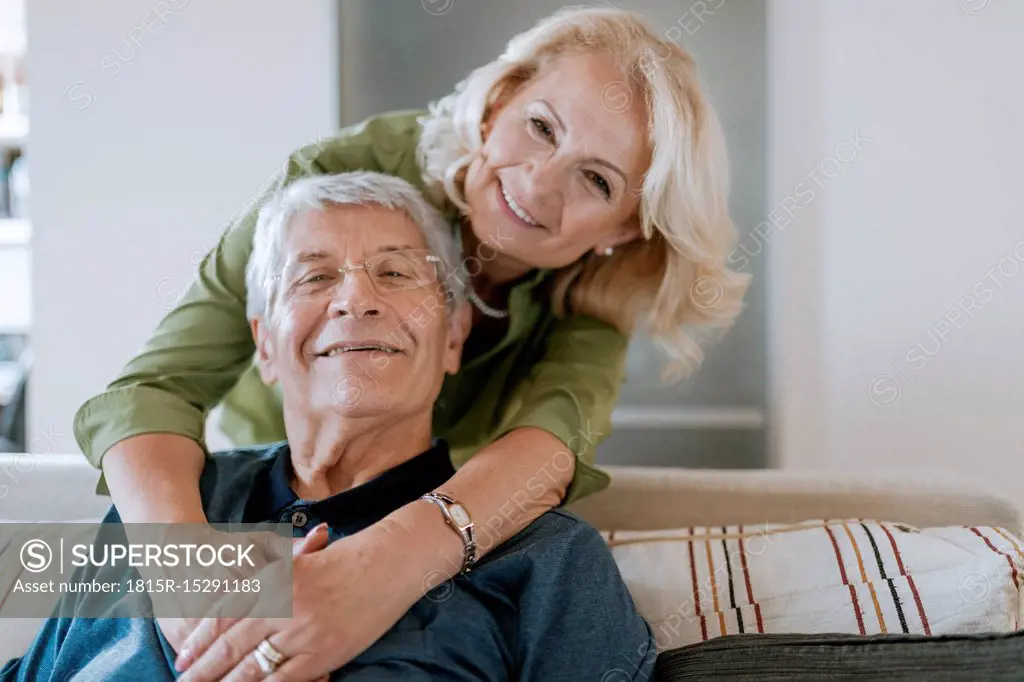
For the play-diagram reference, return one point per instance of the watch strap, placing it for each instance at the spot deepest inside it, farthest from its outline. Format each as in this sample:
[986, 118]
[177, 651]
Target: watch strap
[458, 519]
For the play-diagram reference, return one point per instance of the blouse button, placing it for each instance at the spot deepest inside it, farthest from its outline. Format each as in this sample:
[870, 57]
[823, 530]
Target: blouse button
[299, 519]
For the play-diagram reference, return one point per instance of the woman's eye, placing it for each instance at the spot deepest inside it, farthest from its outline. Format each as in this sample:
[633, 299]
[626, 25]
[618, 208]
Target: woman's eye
[600, 183]
[541, 127]
[313, 279]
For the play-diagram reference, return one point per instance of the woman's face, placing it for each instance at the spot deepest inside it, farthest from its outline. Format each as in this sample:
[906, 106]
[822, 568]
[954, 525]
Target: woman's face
[561, 168]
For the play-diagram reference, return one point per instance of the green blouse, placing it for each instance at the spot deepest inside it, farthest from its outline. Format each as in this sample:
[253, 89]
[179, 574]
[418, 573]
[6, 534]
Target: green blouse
[560, 375]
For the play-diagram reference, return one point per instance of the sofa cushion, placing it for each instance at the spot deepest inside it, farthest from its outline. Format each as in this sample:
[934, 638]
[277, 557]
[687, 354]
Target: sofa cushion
[766, 658]
[821, 576]
[17, 633]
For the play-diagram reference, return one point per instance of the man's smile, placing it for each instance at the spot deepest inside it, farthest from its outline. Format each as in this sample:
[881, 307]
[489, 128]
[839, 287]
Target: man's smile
[369, 346]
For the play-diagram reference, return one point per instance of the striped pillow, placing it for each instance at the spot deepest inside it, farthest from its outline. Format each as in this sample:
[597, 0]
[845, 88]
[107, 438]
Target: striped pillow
[821, 576]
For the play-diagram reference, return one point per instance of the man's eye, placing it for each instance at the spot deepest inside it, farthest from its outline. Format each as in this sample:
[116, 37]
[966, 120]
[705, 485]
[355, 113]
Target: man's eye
[541, 127]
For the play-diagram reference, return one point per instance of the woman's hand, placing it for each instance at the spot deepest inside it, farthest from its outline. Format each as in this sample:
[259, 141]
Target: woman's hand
[265, 550]
[344, 599]
[178, 631]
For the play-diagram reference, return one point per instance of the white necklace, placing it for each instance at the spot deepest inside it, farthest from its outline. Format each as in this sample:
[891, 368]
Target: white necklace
[473, 297]
[482, 306]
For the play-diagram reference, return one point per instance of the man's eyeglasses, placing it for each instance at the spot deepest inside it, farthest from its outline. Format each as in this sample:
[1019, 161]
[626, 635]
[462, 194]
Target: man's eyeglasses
[389, 271]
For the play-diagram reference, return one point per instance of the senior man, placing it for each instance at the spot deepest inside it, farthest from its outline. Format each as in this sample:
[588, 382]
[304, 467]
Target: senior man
[357, 317]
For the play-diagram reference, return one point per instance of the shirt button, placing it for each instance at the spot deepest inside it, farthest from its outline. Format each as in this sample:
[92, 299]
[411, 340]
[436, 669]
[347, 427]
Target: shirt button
[299, 519]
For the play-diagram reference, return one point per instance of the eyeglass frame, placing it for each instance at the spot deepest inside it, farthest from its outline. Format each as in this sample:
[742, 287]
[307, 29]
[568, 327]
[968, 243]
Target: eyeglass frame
[364, 266]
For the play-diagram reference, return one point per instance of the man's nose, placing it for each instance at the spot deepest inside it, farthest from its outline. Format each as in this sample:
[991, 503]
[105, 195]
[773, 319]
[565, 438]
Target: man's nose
[355, 296]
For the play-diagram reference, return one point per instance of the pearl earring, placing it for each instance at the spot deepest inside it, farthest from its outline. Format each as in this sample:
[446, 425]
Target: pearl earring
[608, 251]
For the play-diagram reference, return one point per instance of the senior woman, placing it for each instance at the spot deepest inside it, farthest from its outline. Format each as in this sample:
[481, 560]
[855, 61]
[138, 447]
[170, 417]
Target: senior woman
[348, 287]
[585, 175]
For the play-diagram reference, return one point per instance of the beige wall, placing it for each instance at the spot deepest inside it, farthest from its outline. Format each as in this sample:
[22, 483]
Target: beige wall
[396, 55]
[897, 292]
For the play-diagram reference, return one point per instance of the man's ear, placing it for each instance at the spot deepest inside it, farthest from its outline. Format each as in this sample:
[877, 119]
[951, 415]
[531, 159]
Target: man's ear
[264, 356]
[460, 322]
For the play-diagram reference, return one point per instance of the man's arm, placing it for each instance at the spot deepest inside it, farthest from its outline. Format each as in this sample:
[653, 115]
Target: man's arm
[577, 620]
[90, 635]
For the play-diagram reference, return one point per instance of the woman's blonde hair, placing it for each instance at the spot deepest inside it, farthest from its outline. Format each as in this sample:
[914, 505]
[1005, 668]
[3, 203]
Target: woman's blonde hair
[677, 275]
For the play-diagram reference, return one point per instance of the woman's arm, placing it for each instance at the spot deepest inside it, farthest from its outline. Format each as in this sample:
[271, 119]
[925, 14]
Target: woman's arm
[154, 478]
[506, 486]
[542, 459]
[544, 456]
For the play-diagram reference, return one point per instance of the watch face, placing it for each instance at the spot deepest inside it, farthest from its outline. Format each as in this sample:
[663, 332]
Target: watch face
[459, 514]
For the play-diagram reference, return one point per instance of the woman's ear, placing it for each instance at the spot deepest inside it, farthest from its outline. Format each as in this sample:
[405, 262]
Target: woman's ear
[626, 232]
[264, 356]
[488, 121]
[490, 114]
[459, 325]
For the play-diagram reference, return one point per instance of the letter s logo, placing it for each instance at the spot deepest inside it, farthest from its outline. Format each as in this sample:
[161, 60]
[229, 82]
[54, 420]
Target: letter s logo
[36, 556]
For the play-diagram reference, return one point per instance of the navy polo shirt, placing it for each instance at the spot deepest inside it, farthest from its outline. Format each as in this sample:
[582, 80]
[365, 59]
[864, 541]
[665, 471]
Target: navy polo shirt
[352, 510]
[548, 605]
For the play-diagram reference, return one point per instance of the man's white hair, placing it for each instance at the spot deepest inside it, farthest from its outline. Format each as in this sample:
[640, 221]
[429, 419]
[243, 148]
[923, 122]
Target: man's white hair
[343, 189]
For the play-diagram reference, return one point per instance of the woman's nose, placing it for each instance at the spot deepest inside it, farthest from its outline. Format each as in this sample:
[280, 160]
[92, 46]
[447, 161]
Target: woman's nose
[355, 295]
[543, 180]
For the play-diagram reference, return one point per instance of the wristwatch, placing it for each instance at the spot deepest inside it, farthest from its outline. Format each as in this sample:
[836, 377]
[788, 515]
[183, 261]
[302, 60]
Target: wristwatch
[456, 516]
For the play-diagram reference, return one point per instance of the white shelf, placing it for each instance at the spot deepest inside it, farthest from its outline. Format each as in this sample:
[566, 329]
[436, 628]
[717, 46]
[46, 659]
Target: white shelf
[13, 131]
[15, 290]
[12, 26]
[688, 417]
[14, 232]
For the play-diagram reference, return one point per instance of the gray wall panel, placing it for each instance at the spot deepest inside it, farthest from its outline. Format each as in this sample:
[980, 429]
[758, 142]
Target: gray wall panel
[396, 54]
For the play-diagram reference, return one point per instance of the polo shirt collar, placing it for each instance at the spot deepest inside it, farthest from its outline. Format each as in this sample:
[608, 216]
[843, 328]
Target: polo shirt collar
[356, 508]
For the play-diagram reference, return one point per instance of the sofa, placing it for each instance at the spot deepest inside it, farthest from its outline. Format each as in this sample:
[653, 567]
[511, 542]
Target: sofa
[60, 487]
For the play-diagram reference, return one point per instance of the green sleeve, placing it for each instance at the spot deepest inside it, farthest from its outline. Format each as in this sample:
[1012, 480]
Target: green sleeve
[203, 345]
[571, 392]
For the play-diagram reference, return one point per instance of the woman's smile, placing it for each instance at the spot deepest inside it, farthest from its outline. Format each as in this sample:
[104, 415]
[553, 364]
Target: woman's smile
[515, 209]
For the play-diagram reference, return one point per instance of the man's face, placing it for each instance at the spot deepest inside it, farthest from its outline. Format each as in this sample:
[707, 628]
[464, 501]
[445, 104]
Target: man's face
[361, 343]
